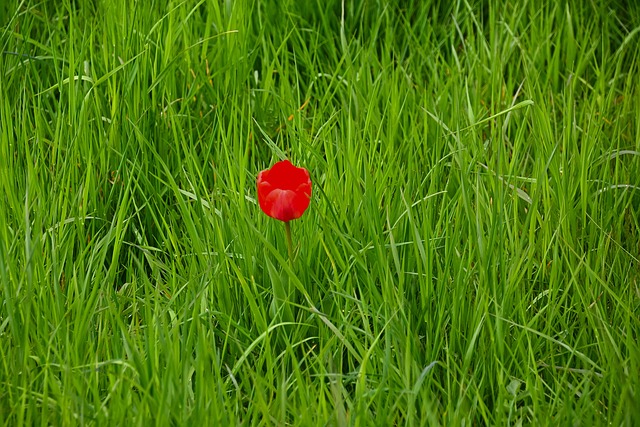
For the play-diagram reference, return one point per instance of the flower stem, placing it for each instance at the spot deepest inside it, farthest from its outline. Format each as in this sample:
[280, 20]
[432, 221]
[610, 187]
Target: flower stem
[287, 232]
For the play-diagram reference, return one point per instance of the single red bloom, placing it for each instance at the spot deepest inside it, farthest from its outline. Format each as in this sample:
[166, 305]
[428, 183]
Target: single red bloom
[284, 191]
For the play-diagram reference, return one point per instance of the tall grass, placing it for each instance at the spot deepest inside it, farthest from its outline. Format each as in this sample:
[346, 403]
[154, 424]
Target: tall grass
[470, 256]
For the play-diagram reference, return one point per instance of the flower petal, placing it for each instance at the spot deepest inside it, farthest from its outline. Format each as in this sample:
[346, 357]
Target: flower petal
[284, 191]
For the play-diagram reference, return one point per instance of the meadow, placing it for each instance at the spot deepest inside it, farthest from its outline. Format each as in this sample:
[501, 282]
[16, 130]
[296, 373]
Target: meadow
[470, 255]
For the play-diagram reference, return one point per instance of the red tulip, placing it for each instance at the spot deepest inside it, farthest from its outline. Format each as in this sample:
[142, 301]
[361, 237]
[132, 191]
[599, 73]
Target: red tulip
[284, 191]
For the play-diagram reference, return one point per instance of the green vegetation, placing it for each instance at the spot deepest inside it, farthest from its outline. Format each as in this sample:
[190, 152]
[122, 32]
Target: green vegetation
[470, 255]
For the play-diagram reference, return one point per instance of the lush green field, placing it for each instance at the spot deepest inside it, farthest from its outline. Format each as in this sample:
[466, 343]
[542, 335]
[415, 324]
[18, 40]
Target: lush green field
[470, 255]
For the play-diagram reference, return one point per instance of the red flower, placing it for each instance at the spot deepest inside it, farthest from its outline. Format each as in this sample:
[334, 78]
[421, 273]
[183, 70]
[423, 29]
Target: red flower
[284, 191]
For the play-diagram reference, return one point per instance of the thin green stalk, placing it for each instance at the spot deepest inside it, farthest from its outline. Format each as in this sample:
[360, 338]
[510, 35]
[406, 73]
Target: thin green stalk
[287, 232]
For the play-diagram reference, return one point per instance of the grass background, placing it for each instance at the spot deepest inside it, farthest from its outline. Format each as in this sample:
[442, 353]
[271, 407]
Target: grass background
[470, 255]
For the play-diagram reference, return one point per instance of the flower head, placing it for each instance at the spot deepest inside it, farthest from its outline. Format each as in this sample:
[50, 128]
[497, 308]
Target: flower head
[284, 191]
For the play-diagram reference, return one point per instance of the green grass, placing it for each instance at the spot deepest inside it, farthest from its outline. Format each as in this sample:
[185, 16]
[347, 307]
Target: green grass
[470, 255]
